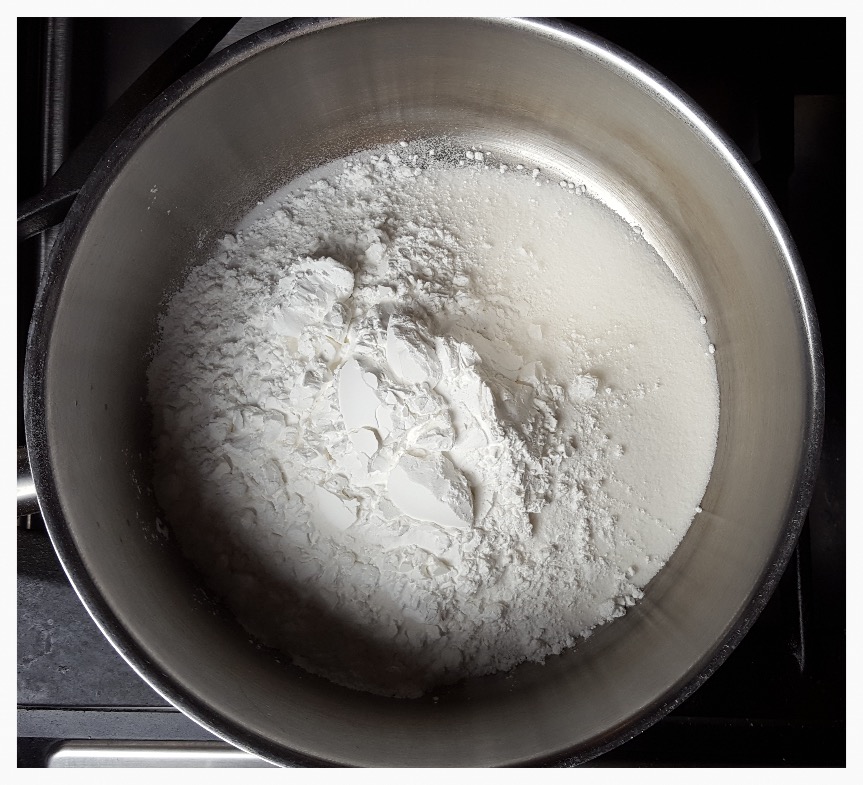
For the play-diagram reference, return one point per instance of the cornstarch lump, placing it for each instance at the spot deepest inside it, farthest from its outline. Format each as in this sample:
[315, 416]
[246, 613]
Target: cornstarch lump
[417, 421]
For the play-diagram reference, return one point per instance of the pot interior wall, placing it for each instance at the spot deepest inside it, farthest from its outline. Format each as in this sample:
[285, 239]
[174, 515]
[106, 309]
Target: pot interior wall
[357, 85]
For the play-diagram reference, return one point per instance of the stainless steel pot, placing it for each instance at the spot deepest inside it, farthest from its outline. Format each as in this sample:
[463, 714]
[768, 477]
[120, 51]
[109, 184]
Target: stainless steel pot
[290, 98]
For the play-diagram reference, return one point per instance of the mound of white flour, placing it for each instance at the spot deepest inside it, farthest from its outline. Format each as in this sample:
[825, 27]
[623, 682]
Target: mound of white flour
[416, 424]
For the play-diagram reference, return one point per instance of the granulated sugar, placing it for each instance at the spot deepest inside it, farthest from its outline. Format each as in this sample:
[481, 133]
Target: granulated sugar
[417, 423]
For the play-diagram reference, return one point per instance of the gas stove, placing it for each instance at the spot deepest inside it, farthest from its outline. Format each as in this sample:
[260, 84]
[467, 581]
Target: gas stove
[777, 88]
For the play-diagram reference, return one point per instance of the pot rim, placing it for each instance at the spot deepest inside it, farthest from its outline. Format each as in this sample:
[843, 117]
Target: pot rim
[94, 190]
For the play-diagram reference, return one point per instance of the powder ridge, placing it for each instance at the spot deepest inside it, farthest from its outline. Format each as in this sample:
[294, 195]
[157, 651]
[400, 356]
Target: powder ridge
[392, 464]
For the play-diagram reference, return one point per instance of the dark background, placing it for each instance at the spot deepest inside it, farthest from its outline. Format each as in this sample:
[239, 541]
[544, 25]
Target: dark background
[777, 89]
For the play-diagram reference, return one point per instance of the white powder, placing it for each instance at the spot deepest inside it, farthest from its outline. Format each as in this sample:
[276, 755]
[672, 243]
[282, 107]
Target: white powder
[416, 424]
